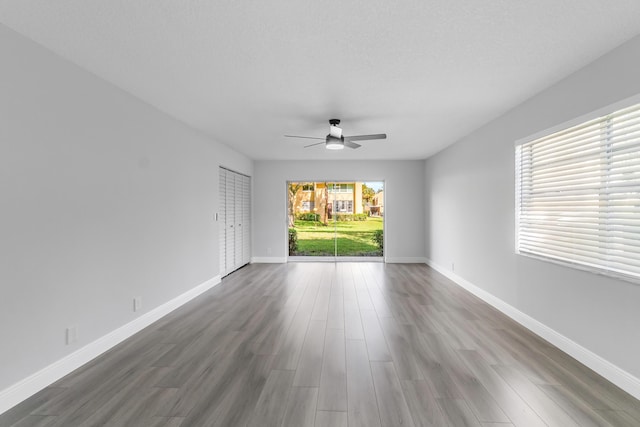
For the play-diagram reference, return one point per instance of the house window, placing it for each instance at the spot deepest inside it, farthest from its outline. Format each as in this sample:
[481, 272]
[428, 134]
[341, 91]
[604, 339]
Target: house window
[344, 206]
[578, 195]
[341, 188]
[307, 187]
[308, 205]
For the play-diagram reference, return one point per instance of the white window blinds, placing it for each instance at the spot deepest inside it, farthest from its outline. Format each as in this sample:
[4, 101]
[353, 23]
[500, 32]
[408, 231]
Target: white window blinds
[578, 194]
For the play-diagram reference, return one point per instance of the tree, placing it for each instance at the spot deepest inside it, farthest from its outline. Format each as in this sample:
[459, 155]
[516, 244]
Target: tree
[294, 187]
[367, 194]
[325, 202]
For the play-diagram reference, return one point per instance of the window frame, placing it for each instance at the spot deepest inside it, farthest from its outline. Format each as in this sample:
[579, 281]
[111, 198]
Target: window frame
[599, 270]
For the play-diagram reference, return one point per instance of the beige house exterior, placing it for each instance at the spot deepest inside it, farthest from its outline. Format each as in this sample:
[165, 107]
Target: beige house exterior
[377, 204]
[327, 198]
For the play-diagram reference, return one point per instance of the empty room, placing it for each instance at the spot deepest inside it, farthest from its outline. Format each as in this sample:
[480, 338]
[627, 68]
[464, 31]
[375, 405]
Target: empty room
[330, 214]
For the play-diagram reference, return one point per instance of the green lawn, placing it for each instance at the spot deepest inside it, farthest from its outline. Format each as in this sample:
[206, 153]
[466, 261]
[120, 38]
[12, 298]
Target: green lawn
[354, 238]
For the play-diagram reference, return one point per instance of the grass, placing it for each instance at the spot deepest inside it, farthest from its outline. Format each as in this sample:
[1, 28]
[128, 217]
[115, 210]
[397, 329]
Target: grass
[355, 238]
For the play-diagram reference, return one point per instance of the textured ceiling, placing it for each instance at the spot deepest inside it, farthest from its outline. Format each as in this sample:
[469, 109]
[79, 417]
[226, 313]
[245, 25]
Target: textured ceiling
[426, 72]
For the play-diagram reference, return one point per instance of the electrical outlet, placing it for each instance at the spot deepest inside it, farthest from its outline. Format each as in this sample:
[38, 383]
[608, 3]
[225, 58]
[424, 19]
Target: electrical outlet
[137, 303]
[71, 334]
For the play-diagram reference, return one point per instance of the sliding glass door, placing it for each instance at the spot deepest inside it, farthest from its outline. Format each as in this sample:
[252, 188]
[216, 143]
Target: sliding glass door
[335, 219]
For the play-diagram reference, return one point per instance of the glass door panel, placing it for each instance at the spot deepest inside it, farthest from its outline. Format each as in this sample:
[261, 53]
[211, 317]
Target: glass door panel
[356, 229]
[335, 219]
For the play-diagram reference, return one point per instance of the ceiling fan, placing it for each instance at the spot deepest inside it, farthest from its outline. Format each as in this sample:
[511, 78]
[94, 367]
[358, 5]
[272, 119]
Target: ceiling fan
[336, 141]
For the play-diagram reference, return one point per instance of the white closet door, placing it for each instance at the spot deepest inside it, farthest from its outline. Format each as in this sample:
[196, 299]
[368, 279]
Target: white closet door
[238, 218]
[230, 220]
[234, 220]
[222, 191]
[246, 220]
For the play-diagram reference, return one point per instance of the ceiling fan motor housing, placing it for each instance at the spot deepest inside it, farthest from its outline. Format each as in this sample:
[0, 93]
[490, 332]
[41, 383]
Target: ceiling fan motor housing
[334, 138]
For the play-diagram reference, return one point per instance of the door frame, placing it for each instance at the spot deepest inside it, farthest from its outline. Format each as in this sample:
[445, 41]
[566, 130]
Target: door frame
[223, 223]
[334, 258]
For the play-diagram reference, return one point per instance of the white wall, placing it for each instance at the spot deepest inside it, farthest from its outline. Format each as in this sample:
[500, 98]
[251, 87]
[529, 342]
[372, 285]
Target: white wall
[404, 202]
[470, 218]
[102, 197]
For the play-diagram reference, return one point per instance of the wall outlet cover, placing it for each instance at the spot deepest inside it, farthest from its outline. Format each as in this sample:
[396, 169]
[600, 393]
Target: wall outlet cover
[71, 335]
[137, 303]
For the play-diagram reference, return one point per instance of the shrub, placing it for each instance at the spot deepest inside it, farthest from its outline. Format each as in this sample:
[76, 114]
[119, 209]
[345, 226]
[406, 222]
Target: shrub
[307, 216]
[293, 241]
[378, 238]
[351, 217]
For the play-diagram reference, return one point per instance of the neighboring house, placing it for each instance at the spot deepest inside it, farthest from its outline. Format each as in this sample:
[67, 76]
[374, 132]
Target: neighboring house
[377, 204]
[343, 197]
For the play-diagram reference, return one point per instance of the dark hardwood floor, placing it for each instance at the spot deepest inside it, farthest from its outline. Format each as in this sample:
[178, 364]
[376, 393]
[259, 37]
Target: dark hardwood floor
[331, 345]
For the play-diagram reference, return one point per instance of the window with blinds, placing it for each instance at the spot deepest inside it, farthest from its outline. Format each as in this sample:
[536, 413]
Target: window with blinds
[578, 194]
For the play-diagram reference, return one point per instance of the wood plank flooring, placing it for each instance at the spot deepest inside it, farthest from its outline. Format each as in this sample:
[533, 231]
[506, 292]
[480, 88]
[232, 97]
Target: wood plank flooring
[332, 345]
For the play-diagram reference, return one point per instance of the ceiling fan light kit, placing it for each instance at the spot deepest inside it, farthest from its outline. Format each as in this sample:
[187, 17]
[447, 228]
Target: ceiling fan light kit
[336, 141]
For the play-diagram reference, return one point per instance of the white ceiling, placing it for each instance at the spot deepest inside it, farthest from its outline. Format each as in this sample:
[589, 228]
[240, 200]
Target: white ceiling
[426, 72]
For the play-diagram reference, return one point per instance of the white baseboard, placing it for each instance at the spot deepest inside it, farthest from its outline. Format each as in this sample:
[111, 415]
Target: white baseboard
[406, 260]
[268, 260]
[27, 387]
[391, 260]
[314, 258]
[613, 373]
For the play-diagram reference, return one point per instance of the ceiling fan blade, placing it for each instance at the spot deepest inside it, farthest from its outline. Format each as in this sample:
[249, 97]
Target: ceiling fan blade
[366, 137]
[317, 143]
[305, 137]
[351, 144]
